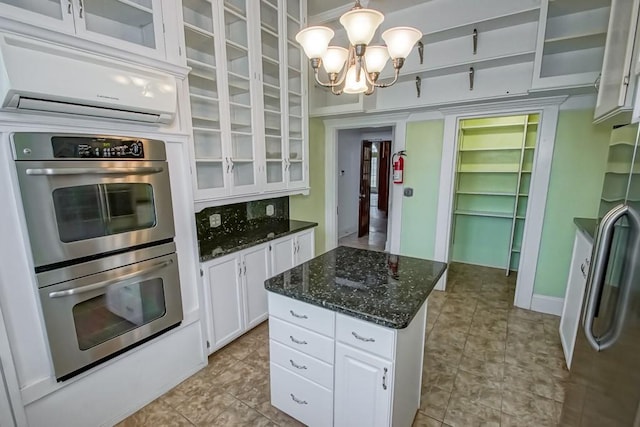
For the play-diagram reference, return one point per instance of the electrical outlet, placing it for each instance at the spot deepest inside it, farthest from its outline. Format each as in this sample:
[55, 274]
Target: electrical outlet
[215, 220]
[270, 210]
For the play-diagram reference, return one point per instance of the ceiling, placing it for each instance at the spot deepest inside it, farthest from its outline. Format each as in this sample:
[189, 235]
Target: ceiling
[315, 7]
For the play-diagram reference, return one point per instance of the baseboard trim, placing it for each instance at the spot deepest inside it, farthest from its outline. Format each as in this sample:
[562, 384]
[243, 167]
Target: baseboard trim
[547, 304]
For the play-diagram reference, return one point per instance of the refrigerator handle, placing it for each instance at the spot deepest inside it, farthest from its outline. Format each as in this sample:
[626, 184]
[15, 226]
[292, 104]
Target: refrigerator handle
[598, 271]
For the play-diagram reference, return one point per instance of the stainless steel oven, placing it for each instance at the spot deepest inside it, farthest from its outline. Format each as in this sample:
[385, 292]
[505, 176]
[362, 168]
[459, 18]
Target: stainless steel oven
[85, 196]
[97, 309]
[100, 221]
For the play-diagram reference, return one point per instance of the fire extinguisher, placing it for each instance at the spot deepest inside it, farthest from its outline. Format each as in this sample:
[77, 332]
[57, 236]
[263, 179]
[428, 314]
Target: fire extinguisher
[398, 167]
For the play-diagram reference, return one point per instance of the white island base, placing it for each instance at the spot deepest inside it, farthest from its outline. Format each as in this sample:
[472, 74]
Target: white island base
[329, 369]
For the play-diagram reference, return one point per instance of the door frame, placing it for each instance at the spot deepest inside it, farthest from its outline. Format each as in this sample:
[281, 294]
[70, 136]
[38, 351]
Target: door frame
[398, 122]
[386, 167]
[548, 108]
[362, 187]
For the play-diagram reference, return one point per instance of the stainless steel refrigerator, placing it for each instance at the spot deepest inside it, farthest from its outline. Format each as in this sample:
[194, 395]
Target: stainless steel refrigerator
[604, 383]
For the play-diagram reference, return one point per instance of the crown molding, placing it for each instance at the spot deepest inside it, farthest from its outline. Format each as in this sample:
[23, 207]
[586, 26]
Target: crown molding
[334, 14]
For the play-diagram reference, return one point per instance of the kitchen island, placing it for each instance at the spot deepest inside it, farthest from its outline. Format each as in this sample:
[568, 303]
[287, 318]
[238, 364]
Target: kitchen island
[347, 336]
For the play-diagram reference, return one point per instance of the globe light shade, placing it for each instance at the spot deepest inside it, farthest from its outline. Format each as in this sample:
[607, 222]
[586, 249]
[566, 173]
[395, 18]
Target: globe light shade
[351, 85]
[361, 24]
[334, 59]
[376, 58]
[315, 40]
[400, 41]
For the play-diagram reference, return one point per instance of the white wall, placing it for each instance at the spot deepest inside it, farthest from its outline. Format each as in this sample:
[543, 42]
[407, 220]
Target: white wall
[349, 147]
[349, 143]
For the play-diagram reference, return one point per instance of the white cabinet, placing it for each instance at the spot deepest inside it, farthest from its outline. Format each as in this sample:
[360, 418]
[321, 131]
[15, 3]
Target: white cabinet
[234, 285]
[571, 41]
[615, 91]
[237, 298]
[292, 250]
[574, 294]
[135, 26]
[362, 388]
[372, 374]
[246, 89]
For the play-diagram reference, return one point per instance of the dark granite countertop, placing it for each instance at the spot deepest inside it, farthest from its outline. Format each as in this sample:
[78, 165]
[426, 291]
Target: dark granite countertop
[252, 233]
[587, 225]
[373, 286]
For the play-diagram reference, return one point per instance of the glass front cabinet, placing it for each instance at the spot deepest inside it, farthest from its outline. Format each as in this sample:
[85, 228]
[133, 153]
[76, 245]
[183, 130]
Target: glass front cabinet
[246, 90]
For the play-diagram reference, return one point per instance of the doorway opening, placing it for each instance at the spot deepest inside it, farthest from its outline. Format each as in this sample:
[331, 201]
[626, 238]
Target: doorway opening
[364, 172]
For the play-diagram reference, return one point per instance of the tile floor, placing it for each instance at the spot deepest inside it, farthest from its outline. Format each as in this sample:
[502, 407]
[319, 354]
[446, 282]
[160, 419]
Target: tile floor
[377, 237]
[485, 364]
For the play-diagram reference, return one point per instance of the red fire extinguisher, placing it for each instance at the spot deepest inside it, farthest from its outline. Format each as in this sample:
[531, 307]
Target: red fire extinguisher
[398, 167]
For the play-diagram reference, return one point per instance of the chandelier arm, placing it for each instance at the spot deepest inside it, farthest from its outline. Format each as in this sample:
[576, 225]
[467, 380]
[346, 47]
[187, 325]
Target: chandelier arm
[391, 83]
[315, 74]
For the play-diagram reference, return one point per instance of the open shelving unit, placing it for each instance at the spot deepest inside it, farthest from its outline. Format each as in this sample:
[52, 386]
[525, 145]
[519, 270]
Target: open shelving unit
[493, 174]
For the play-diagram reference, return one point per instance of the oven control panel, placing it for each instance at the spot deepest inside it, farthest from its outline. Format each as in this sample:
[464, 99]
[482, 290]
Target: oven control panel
[97, 148]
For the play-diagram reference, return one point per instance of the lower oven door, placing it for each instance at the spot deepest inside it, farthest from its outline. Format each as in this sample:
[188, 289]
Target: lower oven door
[99, 315]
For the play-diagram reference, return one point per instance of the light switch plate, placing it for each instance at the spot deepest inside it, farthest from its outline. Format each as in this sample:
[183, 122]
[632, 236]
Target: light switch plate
[270, 210]
[215, 220]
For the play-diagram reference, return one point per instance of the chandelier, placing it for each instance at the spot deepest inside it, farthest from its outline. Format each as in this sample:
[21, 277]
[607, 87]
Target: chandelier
[356, 70]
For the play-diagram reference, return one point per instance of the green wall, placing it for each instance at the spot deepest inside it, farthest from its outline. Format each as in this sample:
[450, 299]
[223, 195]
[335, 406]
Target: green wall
[422, 173]
[311, 207]
[577, 173]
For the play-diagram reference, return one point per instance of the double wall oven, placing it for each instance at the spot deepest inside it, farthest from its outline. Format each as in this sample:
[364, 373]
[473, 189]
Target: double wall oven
[100, 220]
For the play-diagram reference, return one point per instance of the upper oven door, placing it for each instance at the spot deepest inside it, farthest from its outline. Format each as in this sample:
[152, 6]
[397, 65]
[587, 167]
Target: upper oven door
[76, 209]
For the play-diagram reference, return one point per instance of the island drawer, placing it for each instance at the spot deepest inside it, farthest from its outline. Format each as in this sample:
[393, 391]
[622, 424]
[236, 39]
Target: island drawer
[366, 336]
[300, 398]
[302, 364]
[302, 314]
[301, 339]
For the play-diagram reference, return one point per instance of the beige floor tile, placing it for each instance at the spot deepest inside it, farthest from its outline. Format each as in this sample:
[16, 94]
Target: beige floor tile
[529, 407]
[493, 370]
[156, 414]
[239, 414]
[439, 373]
[422, 420]
[478, 389]
[277, 416]
[203, 408]
[195, 385]
[434, 401]
[463, 412]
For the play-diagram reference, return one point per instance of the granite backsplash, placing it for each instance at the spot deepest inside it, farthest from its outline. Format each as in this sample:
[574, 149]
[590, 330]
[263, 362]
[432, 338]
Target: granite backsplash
[239, 217]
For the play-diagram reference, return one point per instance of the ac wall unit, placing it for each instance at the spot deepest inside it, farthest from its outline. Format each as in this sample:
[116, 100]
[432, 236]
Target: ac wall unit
[48, 78]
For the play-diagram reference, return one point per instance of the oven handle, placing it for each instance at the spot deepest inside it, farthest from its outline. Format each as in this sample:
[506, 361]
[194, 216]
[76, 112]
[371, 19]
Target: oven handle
[95, 171]
[105, 283]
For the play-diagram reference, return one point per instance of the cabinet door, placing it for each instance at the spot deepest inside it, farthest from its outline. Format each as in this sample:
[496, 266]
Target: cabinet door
[211, 175]
[297, 163]
[363, 388]
[255, 269]
[6, 410]
[273, 68]
[282, 255]
[52, 14]
[223, 277]
[618, 52]
[305, 246]
[132, 25]
[574, 294]
[240, 114]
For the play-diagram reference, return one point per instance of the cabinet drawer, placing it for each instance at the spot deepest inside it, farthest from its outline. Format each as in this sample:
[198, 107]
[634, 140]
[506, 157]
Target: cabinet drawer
[365, 335]
[301, 339]
[300, 313]
[307, 402]
[301, 364]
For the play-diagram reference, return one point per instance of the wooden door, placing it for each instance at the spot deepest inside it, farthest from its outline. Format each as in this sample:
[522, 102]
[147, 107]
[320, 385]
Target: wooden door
[384, 162]
[223, 277]
[365, 189]
[255, 269]
[363, 388]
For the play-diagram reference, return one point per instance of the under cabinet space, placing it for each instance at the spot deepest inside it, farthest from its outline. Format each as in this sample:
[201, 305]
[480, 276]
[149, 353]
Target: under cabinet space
[209, 174]
[127, 20]
[208, 144]
[198, 13]
[50, 8]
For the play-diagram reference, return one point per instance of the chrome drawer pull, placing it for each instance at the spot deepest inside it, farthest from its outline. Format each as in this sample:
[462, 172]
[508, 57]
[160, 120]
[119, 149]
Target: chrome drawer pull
[358, 337]
[299, 316]
[298, 401]
[296, 341]
[295, 365]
